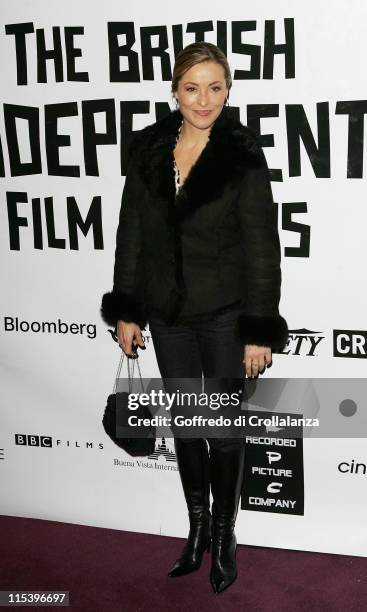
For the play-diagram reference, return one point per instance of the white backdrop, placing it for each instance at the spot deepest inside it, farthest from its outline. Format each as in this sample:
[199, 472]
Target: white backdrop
[56, 462]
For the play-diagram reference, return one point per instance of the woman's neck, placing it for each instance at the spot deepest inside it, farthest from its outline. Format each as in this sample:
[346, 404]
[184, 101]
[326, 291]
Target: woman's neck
[192, 137]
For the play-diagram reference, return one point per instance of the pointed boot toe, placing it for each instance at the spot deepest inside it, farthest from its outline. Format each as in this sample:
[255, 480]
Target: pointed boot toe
[197, 543]
[224, 567]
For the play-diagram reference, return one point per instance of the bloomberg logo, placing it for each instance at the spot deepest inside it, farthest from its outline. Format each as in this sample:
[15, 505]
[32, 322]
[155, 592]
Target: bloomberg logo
[350, 343]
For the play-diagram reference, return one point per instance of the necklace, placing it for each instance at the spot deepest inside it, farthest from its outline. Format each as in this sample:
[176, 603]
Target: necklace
[177, 172]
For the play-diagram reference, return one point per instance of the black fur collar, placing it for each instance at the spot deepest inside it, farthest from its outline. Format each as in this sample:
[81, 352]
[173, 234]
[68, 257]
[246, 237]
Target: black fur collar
[231, 148]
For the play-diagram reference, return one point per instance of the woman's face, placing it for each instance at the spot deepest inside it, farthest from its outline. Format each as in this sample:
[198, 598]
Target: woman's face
[202, 88]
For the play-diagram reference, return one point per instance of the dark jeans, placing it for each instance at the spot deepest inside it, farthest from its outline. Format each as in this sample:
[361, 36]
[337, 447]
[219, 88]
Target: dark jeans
[203, 355]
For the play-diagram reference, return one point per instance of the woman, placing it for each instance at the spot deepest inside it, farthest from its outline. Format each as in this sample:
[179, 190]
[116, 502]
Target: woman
[198, 259]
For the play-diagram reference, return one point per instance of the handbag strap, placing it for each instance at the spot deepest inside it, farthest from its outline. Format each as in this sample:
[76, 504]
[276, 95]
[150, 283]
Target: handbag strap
[118, 371]
[130, 373]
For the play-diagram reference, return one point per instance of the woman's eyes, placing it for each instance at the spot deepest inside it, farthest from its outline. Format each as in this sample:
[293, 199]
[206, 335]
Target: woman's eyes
[216, 88]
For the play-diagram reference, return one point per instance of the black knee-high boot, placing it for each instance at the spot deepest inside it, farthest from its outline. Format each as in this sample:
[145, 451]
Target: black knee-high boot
[226, 473]
[193, 464]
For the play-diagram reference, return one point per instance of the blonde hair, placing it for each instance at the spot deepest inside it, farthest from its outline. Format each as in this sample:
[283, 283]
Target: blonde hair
[195, 53]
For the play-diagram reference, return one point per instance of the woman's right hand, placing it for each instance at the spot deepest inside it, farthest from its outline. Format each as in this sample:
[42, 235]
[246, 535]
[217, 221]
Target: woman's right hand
[129, 334]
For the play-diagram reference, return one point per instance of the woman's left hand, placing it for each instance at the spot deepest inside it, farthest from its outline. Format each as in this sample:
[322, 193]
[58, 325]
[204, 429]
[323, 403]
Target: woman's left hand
[256, 358]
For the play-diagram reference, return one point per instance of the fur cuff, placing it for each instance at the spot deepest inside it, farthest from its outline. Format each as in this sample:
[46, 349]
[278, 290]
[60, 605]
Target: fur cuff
[116, 305]
[263, 331]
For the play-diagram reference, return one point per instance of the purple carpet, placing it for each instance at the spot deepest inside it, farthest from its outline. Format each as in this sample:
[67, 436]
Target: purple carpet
[110, 570]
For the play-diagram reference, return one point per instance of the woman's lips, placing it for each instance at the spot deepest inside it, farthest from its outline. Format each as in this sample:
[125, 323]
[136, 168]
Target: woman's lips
[203, 113]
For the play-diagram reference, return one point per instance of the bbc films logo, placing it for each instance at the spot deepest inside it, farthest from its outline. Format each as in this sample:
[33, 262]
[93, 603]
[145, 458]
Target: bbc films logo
[38, 441]
[350, 343]
[33, 440]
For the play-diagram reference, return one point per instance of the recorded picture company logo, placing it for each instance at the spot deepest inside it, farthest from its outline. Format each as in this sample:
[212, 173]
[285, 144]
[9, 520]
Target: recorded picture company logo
[2, 454]
[274, 475]
[350, 343]
[303, 342]
[37, 441]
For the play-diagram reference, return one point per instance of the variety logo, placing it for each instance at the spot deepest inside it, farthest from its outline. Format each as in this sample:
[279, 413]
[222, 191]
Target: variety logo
[350, 343]
[303, 342]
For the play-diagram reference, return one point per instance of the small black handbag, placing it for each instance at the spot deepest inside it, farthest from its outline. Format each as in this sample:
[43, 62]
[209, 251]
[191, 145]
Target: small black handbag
[137, 441]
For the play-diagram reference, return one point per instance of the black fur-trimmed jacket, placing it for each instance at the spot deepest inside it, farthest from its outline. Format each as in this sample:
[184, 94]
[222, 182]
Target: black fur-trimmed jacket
[216, 242]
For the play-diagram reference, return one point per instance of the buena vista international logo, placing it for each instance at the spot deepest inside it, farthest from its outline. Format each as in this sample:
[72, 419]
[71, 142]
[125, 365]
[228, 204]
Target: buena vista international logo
[163, 458]
[161, 449]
